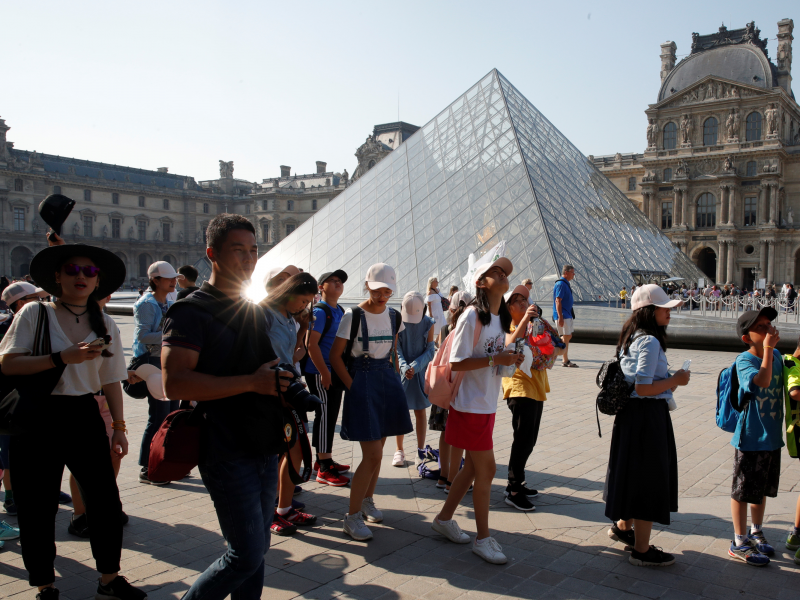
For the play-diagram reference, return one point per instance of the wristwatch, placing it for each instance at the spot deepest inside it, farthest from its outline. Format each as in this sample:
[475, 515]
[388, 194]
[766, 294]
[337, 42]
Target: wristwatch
[491, 361]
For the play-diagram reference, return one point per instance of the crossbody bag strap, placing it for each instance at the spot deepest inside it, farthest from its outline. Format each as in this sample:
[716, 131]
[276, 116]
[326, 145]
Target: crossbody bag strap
[41, 338]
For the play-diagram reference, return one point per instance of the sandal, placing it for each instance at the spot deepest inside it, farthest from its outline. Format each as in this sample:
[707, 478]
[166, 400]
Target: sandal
[441, 485]
[569, 364]
[447, 488]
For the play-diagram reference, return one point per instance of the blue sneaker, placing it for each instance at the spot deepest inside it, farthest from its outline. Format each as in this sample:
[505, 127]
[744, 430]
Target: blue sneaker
[760, 542]
[2, 544]
[7, 532]
[749, 554]
[297, 490]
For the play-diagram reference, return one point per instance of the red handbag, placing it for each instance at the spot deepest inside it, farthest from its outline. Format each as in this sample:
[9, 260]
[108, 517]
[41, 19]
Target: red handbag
[175, 449]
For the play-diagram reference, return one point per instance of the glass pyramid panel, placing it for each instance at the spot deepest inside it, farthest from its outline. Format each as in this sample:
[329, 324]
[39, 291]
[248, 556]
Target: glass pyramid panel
[488, 168]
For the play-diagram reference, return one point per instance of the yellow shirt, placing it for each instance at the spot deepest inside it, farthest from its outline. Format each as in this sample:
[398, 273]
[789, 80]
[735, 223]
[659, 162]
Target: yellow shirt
[623, 294]
[522, 385]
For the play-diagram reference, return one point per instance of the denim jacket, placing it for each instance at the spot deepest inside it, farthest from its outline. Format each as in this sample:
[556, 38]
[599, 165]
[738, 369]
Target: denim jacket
[646, 363]
[147, 317]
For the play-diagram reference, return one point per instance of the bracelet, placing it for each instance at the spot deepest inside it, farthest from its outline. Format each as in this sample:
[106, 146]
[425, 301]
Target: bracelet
[491, 362]
[119, 426]
[770, 347]
[58, 362]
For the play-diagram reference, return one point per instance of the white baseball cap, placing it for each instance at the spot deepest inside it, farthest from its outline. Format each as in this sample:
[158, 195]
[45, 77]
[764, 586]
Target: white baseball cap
[652, 294]
[412, 307]
[501, 262]
[21, 289]
[381, 275]
[456, 299]
[163, 269]
[290, 270]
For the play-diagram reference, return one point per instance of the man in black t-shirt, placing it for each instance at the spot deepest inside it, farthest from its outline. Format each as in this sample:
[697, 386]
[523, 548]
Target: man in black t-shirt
[189, 283]
[217, 352]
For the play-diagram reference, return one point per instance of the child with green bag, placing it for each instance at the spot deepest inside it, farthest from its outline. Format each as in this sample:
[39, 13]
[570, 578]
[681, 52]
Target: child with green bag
[791, 386]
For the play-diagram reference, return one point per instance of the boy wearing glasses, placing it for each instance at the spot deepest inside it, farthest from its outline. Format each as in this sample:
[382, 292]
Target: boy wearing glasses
[758, 438]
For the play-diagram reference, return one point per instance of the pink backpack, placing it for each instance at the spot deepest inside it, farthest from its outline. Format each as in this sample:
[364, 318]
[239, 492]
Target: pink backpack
[441, 384]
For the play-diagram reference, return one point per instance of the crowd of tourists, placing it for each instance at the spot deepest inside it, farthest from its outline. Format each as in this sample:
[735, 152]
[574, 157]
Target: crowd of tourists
[441, 362]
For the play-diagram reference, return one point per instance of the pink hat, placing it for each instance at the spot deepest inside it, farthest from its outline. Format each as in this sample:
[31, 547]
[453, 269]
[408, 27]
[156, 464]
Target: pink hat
[652, 294]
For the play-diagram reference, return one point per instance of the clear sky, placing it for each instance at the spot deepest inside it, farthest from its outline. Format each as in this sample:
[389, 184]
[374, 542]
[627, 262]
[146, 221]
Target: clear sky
[185, 84]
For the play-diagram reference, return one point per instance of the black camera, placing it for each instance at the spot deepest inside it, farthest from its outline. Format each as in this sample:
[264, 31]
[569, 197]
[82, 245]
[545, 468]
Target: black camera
[297, 393]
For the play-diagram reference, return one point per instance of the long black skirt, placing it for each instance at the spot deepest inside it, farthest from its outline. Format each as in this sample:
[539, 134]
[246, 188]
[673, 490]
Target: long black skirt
[642, 477]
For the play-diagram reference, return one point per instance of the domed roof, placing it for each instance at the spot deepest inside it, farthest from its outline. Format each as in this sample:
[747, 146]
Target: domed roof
[744, 63]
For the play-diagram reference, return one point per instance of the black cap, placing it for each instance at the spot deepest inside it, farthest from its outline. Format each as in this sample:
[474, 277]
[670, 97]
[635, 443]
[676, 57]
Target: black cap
[748, 318]
[55, 209]
[338, 273]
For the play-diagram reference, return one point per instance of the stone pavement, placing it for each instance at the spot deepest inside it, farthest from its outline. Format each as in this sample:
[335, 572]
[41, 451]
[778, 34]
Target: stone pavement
[560, 551]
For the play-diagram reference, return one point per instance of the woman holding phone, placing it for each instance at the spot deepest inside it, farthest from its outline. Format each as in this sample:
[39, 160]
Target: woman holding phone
[64, 427]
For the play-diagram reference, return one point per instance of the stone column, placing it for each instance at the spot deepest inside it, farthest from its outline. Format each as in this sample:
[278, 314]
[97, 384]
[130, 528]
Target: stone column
[771, 262]
[692, 213]
[655, 211]
[762, 203]
[732, 210]
[773, 203]
[646, 204]
[730, 275]
[676, 203]
[762, 262]
[722, 212]
[720, 263]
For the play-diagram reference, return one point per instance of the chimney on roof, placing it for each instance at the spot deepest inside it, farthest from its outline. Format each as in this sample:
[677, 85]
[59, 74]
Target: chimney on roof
[163, 169]
[785, 37]
[285, 171]
[321, 167]
[668, 58]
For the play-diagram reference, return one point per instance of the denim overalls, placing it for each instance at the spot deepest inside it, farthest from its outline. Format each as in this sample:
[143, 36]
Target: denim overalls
[375, 405]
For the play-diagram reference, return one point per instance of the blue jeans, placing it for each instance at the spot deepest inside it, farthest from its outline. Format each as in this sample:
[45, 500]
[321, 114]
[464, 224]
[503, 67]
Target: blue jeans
[157, 411]
[244, 493]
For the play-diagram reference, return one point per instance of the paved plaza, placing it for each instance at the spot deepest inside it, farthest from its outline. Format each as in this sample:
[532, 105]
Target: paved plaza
[559, 551]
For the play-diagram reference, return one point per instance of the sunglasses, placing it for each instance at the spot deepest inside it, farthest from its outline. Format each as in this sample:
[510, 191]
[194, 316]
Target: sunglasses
[88, 270]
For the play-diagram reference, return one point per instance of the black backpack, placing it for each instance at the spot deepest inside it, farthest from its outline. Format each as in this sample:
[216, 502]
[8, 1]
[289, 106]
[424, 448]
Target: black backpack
[614, 390]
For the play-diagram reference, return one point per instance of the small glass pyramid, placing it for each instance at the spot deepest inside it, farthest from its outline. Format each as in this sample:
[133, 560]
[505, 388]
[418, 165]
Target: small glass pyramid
[489, 167]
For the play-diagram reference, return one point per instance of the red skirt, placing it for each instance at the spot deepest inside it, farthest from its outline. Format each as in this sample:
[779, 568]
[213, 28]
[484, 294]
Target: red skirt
[469, 431]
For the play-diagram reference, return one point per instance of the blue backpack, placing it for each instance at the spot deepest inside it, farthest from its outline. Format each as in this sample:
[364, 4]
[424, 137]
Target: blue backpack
[728, 408]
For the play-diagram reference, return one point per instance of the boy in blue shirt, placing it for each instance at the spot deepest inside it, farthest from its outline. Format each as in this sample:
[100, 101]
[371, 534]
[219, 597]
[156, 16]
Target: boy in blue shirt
[758, 438]
[321, 382]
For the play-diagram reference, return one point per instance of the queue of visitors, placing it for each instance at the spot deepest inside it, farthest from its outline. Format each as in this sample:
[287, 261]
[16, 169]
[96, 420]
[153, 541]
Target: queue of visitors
[235, 366]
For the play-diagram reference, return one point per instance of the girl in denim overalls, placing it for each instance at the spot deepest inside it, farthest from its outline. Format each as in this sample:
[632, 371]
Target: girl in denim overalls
[374, 404]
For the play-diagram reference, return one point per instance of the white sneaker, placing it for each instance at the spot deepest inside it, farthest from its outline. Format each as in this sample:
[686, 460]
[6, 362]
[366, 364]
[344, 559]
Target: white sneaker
[354, 527]
[399, 459]
[450, 530]
[370, 513]
[490, 551]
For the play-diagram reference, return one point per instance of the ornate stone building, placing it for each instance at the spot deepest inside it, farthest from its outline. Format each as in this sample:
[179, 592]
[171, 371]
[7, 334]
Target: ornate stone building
[383, 140]
[144, 215]
[721, 170]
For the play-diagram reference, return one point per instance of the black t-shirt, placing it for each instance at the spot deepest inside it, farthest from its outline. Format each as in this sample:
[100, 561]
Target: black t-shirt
[186, 291]
[236, 426]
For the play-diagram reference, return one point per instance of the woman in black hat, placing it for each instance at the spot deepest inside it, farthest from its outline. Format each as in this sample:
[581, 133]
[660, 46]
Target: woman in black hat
[61, 421]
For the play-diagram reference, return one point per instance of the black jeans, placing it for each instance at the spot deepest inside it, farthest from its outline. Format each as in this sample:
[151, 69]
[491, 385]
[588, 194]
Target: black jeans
[325, 415]
[157, 411]
[67, 431]
[526, 416]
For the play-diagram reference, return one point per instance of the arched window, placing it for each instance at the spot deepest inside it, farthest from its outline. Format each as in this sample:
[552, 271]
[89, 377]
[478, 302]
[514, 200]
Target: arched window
[753, 127]
[631, 184]
[290, 205]
[751, 169]
[670, 136]
[706, 211]
[667, 175]
[313, 205]
[710, 132]
[144, 262]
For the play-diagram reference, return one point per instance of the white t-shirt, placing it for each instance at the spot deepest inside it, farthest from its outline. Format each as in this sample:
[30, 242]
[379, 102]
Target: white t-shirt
[380, 333]
[85, 378]
[480, 388]
[437, 314]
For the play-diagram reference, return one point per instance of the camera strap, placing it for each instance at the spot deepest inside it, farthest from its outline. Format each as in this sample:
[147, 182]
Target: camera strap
[294, 430]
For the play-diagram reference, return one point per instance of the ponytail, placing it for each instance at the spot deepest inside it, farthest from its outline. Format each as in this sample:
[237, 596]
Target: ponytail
[97, 321]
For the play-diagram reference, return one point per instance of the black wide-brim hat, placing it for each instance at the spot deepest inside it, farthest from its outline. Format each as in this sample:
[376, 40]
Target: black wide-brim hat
[45, 264]
[55, 209]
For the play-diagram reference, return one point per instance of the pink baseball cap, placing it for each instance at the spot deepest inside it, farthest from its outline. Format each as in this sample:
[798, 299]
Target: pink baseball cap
[381, 275]
[652, 294]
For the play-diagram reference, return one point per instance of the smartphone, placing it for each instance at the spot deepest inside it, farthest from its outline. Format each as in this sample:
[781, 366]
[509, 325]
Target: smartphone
[100, 343]
[519, 344]
[686, 364]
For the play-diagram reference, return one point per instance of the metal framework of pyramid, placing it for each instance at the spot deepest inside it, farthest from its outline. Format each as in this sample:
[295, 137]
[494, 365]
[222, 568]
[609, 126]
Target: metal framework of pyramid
[489, 167]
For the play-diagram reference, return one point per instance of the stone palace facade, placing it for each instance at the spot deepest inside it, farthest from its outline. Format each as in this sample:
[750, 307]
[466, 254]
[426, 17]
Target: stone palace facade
[720, 174]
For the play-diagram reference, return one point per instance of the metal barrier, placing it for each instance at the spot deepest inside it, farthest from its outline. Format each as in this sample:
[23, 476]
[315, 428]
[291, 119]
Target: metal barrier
[729, 307]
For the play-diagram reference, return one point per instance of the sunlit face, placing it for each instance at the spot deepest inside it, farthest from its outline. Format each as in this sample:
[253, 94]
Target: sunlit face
[165, 284]
[517, 305]
[380, 296]
[569, 275]
[332, 286]
[298, 304]
[758, 331]
[494, 280]
[74, 281]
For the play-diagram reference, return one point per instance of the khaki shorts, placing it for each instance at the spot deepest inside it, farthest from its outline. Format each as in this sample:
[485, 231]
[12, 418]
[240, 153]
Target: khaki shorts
[567, 329]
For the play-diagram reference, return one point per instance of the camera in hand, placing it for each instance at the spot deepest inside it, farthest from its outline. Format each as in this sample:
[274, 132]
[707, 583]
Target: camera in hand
[297, 394]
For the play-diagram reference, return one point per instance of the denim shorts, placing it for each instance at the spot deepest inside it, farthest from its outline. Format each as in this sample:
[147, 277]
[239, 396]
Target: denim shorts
[375, 406]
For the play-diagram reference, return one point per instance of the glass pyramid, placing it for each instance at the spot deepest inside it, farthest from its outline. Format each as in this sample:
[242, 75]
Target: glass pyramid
[490, 167]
